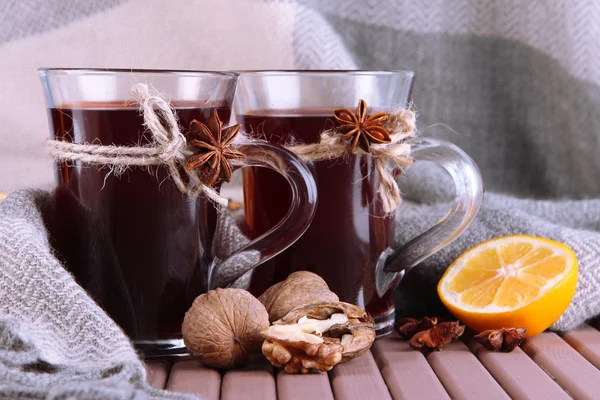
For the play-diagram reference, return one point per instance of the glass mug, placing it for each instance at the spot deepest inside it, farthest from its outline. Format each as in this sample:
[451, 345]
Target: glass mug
[140, 247]
[350, 241]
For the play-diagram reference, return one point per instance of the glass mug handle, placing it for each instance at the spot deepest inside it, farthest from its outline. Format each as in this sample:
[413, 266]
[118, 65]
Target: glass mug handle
[393, 264]
[224, 272]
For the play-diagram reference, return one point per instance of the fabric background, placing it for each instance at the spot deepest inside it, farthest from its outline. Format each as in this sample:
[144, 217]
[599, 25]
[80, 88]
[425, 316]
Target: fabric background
[517, 82]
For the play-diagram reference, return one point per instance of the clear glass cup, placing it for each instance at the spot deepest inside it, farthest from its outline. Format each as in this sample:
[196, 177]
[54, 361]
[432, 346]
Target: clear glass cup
[140, 247]
[350, 241]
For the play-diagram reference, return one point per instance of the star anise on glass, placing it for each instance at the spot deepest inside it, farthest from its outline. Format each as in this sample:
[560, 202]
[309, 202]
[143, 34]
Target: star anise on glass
[359, 129]
[428, 334]
[505, 339]
[212, 149]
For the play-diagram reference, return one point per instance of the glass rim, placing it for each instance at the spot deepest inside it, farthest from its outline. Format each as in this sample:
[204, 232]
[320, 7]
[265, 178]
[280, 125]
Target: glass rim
[324, 72]
[125, 71]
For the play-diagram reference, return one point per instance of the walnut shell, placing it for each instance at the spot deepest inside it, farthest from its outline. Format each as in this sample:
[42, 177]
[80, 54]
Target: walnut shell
[223, 327]
[360, 325]
[299, 289]
[347, 333]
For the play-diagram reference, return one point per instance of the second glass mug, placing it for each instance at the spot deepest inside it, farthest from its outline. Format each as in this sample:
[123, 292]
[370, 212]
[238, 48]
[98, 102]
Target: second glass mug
[350, 241]
[140, 247]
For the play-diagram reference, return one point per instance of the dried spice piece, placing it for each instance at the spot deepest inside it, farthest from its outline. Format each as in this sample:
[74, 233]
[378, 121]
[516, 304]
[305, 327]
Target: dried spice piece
[434, 338]
[359, 129]
[428, 333]
[213, 150]
[408, 327]
[234, 205]
[504, 339]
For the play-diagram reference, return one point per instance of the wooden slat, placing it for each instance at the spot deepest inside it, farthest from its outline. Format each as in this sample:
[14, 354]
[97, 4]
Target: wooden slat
[313, 386]
[406, 372]
[462, 374]
[586, 340]
[252, 383]
[358, 379]
[573, 372]
[157, 372]
[189, 376]
[518, 375]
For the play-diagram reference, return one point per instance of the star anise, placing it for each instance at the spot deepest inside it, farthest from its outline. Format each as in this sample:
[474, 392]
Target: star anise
[359, 129]
[408, 327]
[436, 337]
[428, 334]
[213, 150]
[505, 339]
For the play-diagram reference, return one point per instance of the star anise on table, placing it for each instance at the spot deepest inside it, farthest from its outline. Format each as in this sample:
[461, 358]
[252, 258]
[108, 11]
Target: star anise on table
[212, 149]
[428, 334]
[504, 339]
[359, 129]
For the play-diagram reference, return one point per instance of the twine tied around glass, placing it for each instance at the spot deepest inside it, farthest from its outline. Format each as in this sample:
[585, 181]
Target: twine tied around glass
[395, 153]
[169, 148]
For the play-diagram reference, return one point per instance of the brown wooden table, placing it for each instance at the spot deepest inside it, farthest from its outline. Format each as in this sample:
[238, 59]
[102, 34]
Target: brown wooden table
[547, 367]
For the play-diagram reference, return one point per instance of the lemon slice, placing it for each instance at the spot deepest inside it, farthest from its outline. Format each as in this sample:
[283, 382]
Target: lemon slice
[511, 282]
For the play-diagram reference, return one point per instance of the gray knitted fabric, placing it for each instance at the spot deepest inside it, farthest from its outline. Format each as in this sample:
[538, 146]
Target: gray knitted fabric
[576, 223]
[55, 342]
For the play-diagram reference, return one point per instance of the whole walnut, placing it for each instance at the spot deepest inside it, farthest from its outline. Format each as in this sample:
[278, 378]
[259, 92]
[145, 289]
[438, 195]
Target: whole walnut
[318, 336]
[299, 289]
[223, 327]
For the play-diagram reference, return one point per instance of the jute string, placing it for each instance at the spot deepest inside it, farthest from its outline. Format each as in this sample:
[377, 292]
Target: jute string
[168, 147]
[401, 126]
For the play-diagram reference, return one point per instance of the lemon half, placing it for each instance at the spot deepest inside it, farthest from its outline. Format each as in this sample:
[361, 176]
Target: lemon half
[511, 282]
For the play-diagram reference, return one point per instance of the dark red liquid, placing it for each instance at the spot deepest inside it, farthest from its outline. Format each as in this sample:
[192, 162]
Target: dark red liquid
[349, 231]
[137, 244]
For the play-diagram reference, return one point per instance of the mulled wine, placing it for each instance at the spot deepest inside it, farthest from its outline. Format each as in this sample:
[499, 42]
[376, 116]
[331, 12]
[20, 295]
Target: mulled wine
[350, 242]
[349, 231]
[138, 245]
